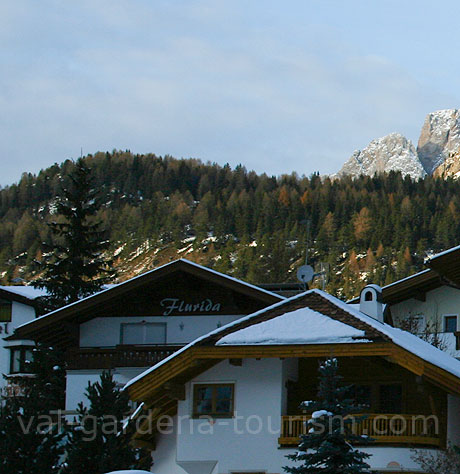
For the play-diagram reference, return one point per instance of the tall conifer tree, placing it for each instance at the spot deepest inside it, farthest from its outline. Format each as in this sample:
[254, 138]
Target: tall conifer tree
[31, 431]
[327, 446]
[98, 443]
[74, 265]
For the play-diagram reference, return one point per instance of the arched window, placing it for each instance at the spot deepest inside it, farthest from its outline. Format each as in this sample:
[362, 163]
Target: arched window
[368, 296]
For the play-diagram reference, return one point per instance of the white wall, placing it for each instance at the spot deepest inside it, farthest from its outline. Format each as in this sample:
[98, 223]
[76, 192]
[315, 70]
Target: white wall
[439, 302]
[258, 392]
[20, 314]
[77, 381]
[238, 443]
[106, 332]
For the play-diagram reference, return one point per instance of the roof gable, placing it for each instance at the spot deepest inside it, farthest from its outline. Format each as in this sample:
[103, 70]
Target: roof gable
[407, 350]
[196, 287]
[21, 294]
[301, 326]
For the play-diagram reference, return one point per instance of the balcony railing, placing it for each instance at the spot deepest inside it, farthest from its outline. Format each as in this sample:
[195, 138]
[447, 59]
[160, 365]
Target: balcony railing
[396, 429]
[120, 356]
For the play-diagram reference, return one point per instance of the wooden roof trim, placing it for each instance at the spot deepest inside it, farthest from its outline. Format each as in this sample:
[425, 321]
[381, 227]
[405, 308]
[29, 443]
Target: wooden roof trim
[447, 265]
[418, 366]
[141, 280]
[310, 299]
[11, 295]
[141, 391]
[397, 291]
[443, 269]
[145, 389]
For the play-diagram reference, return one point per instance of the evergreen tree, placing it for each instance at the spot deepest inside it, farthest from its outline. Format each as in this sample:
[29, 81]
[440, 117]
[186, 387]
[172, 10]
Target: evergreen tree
[74, 265]
[31, 431]
[327, 446]
[98, 443]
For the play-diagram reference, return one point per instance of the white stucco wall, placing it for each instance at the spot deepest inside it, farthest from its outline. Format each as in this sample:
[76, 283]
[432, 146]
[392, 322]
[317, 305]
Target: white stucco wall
[106, 332]
[20, 314]
[438, 303]
[235, 443]
[243, 442]
[77, 381]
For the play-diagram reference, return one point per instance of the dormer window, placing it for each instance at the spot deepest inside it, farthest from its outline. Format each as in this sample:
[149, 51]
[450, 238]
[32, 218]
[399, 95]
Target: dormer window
[5, 311]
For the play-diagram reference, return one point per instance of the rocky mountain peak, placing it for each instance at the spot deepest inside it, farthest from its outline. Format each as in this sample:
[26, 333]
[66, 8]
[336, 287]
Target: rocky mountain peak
[393, 152]
[439, 139]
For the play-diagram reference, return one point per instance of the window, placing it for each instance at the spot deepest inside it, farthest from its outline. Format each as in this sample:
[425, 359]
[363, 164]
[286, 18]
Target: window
[19, 357]
[143, 333]
[450, 323]
[214, 400]
[5, 311]
[361, 394]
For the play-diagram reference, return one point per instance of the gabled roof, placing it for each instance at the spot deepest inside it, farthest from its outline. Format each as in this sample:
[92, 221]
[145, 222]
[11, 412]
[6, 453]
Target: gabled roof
[57, 323]
[22, 294]
[447, 264]
[443, 269]
[365, 336]
[414, 286]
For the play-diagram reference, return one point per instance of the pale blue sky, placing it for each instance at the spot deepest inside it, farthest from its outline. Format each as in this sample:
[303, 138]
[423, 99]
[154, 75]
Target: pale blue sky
[278, 86]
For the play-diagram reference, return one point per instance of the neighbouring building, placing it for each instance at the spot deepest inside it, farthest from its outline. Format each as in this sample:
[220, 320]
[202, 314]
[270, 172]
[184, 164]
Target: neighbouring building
[430, 299]
[228, 402]
[17, 307]
[131, 326]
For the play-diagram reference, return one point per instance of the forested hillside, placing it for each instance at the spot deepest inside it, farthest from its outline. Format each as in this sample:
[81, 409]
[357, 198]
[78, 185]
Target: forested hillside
[368, 229]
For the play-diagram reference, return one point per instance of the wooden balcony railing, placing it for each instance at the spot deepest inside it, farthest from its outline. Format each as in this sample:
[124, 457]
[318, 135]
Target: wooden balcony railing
[414, 430]
[120, 356]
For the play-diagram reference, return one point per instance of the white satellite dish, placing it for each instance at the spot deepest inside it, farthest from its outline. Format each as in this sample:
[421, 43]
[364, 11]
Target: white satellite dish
[305, 273]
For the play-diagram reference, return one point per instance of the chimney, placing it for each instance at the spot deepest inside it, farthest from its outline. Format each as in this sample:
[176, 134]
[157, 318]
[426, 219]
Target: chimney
[370, 302]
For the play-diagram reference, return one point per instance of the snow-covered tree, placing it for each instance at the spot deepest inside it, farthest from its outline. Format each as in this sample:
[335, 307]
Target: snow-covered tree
[327, 447]
[98, 442]
[73, 264]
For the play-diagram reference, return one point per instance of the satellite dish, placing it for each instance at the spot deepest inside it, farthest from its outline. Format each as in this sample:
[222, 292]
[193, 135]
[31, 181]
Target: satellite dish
[305, 273]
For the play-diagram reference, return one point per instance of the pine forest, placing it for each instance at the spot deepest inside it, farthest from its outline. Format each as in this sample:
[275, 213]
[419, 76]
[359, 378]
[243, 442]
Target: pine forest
[251, 226]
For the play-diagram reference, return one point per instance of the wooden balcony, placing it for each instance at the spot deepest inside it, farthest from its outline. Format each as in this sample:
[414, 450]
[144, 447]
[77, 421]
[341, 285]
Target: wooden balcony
[119, 356]
[392, 429]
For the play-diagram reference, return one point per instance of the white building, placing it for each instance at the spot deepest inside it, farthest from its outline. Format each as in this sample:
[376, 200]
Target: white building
[131, 326]
[228, 402]
[430, 300]
[17, 307]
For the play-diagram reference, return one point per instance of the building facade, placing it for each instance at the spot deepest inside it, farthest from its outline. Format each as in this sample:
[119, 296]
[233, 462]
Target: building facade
[229, 402]
[131, 326]
[17, 307]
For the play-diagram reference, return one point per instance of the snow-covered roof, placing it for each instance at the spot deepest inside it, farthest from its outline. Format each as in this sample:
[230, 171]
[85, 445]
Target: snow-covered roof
[404, 339]
[306, 326]
[25, 291]
[301, 326]
[180, 264]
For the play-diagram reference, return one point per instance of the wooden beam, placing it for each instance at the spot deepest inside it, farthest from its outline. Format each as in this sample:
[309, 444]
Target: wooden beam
[175, 391]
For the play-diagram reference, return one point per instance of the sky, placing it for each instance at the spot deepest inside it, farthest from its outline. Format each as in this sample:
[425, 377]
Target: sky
[278, 86]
